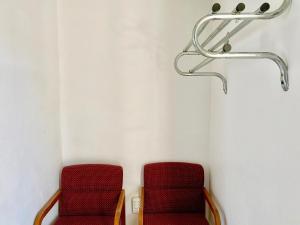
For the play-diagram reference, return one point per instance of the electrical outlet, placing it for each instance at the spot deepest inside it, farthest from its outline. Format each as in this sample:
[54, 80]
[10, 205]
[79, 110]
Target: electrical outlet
[135, 204]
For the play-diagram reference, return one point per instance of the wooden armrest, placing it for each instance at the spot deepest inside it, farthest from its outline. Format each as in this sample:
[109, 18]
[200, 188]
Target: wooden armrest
[46, 208]
[141, 209]
[119, 208]
[212, 207]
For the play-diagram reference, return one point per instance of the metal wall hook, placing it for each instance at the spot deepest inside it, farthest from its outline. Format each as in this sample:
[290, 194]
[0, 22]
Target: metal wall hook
[198, 74]
[221, 50]
[247, 18]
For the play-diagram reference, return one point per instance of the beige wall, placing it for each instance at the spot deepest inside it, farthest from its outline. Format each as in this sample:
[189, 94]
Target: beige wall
[122, 101]
[30, 154]
[254, 150]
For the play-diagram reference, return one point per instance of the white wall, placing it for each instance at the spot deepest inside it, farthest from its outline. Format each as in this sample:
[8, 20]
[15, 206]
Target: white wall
[30, 154]
[122, 101]
[254, 152]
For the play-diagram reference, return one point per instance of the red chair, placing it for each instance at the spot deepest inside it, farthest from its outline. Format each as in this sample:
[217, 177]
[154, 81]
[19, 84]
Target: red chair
[173, 194]
[89, 195]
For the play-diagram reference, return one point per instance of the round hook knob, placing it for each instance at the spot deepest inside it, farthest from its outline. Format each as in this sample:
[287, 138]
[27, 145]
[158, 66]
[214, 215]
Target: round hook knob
[227, 47]
[240, 7]
[216, 8]
[265, 7]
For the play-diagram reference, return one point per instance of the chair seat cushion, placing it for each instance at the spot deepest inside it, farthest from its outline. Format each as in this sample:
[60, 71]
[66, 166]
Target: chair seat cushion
[174, 201]
[175, 219]
[84, 220]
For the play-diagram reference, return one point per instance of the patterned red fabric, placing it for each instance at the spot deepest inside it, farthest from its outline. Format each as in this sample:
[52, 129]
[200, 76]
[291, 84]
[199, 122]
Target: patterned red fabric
[173, 175]
[175, 219]
[84, 220]
[173, 188]
[90, 190]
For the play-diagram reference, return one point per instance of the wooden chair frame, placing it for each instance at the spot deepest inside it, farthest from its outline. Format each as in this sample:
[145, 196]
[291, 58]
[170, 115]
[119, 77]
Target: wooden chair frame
[52, 201]
[208, 199]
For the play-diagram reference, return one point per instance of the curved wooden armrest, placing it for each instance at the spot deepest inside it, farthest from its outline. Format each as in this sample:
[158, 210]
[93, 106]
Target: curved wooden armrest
[119, 208]
[141, 209]
[46, 208]
[212, 207]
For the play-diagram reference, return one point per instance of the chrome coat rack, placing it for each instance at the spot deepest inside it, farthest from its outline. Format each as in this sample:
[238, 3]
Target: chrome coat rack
[222, 49]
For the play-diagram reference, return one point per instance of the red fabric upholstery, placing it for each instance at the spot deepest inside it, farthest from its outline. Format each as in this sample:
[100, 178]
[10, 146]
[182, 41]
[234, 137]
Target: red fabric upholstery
[84, 220]
[90, 190]
[175, 219]
[173, 175]
[173, 188]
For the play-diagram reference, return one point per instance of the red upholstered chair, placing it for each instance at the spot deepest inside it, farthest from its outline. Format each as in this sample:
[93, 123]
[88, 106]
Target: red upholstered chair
[173, 194]
[89, 195]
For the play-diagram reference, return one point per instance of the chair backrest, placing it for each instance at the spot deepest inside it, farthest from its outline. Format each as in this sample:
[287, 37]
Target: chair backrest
[90, 190]
[172, 187]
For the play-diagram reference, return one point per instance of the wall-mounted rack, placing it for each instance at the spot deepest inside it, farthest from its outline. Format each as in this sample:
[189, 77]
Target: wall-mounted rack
[222, 49]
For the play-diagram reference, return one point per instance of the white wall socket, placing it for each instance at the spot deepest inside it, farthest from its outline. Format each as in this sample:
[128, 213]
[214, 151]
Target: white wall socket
[135, 204]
